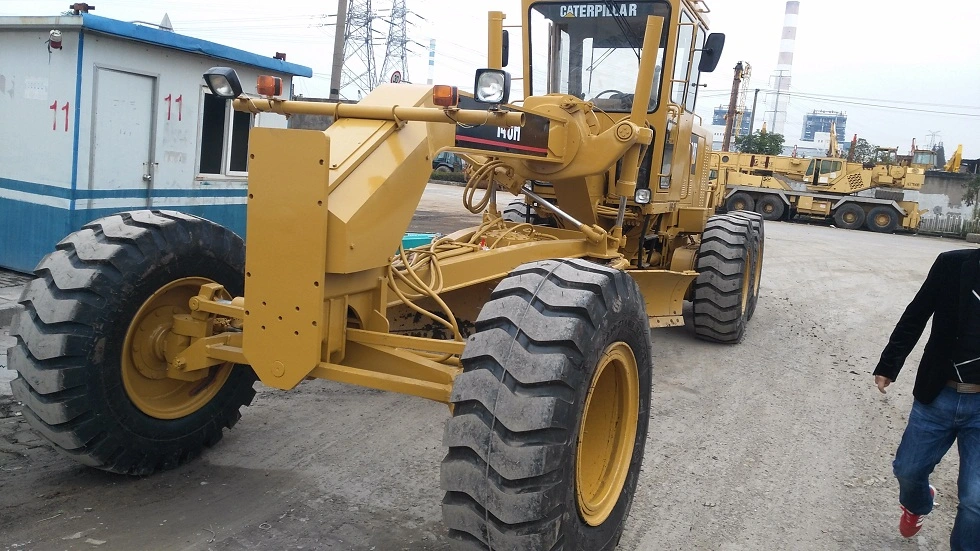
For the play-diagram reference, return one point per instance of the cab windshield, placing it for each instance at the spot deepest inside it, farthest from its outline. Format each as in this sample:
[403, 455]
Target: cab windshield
[592, 50]
[924, 158]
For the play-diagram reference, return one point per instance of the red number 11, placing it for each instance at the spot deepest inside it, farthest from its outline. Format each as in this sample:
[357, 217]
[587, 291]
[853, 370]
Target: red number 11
[54, 107]
[180, 105]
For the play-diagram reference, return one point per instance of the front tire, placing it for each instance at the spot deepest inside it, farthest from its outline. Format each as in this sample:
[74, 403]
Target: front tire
[550, 414]
[849, 216]
[91, 381]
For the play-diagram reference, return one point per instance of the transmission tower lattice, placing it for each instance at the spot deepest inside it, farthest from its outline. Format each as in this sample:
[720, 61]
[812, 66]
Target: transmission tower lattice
[359, 67]
[740, 110]
[396, 51]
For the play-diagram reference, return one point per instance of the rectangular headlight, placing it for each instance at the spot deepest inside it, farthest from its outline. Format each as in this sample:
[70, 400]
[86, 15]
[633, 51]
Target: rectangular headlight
[223, 82]
[492, 86]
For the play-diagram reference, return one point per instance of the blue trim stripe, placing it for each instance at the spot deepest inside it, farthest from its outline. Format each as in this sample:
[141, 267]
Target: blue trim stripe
[65, 193]
[36, 189]
[29, 230]
[184, 43]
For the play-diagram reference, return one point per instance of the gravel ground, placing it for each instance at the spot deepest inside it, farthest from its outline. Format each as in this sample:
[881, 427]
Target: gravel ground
[780, 442]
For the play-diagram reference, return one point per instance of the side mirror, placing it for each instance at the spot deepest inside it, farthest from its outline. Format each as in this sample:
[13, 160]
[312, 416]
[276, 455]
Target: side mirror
[505, 47]
[711, 53]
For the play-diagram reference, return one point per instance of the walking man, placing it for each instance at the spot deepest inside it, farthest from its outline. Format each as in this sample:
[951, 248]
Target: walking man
[946, 391]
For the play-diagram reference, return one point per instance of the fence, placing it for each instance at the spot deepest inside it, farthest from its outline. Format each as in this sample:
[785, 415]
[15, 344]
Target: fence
[949, 225]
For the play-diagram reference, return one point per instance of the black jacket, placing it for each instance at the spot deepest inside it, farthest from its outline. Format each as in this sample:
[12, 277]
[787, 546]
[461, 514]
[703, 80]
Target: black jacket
[944, 295]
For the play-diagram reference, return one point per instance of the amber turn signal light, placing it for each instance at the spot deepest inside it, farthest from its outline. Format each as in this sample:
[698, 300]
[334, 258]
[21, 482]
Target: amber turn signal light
[269, 86]
[445, 96]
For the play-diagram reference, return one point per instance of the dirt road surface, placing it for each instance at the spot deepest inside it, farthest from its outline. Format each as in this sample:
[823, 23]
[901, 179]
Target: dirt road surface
[780, 442]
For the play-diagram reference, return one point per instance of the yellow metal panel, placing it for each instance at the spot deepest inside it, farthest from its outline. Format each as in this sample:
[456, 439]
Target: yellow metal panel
[372, 203]
[357, 132]
[683, 259]
[284, 262]
[664, 292]
[692, 220]
[439, 392]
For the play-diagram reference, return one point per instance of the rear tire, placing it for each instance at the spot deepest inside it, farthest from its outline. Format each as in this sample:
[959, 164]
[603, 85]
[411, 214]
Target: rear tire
[77, 381]
[849, 216]
[758, 248]
[770, 207]
[519, 212]
[545, 343]
[882, 219]
[724, 283]
[740, 201]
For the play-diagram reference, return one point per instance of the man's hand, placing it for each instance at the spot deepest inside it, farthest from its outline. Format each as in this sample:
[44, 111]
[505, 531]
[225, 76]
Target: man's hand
[882, 382]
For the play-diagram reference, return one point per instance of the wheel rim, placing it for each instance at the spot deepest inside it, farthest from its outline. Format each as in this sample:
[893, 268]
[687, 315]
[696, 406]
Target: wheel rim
[607, 434]
[768, 208]
[144, 356]
[850, 217]
[739, 205]
[882, 220]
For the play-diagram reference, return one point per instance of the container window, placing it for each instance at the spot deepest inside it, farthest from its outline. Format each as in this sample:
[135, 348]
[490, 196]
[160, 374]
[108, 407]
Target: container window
[224, 137]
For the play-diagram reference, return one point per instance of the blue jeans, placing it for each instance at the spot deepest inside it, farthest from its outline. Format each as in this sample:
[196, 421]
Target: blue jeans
[931, 431]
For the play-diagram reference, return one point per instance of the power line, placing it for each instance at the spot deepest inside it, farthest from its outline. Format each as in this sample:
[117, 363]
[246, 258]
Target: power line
[867, 103]
[879, 106]
[930, 104]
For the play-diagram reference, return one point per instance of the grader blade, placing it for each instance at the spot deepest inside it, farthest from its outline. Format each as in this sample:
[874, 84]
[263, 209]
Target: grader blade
[663, 292]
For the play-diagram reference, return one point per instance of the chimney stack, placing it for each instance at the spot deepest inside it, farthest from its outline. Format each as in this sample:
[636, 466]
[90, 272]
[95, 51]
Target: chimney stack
[784, 66]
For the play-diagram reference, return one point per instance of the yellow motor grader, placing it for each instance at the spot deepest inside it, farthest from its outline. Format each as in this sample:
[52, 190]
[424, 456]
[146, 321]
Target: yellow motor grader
[143, 332]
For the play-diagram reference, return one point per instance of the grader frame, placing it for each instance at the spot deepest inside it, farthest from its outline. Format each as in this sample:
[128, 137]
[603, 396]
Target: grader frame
[536, 335]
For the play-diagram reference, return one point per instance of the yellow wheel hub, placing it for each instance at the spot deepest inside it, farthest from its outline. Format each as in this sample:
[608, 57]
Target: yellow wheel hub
[148, 347]
[607, 435]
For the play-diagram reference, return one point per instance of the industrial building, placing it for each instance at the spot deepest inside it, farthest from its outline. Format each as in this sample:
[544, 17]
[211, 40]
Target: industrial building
[821, 121]
[101, 116]
[718, 119]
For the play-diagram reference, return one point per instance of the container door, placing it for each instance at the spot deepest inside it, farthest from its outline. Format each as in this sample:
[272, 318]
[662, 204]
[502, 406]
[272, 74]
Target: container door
[123, 134]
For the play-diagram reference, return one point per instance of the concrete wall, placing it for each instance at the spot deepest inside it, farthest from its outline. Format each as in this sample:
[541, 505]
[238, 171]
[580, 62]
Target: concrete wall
[942, 195]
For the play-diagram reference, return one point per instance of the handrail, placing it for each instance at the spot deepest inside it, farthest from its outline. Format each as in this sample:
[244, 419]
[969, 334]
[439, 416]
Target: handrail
[380, 112]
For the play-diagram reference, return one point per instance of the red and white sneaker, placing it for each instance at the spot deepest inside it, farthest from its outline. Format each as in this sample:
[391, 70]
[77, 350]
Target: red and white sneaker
[910, 524]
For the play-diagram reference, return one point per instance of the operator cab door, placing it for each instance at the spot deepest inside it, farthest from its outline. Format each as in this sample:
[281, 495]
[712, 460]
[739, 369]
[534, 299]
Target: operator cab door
[822, 171]
[123, 133]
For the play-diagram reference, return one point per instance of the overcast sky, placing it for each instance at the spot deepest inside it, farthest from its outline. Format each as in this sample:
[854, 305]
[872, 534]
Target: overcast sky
[899, 69]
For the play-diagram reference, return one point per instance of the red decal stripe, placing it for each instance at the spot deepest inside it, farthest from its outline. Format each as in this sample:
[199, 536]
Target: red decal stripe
[501, 144]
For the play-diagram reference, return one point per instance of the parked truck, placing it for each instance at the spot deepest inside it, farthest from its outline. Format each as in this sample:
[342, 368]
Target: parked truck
[781, 187]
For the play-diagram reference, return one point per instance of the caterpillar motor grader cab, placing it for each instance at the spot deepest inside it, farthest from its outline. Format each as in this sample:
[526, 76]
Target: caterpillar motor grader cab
[828, 188]
[143, 332]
